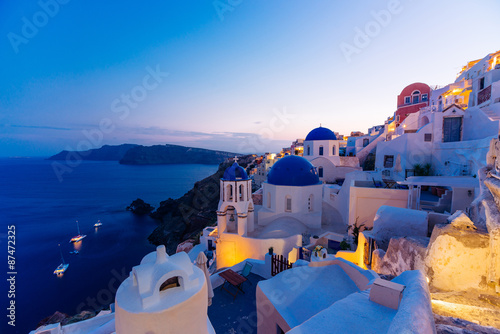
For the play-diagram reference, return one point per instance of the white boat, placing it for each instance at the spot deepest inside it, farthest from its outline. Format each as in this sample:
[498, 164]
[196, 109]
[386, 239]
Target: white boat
[79, 236]
[98, 224]
[62, 267]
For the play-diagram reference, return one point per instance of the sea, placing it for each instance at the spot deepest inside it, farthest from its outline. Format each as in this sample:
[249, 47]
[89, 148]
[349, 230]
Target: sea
[42, 210]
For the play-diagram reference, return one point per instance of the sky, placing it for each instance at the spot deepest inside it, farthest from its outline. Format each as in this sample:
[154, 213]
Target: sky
[237, 75]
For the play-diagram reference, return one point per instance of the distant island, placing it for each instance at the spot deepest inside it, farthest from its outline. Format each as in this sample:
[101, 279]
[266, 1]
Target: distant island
[131, 154]
[105, 153]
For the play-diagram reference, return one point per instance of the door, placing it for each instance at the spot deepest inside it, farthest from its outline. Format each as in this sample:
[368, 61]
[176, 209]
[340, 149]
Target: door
[452, 127]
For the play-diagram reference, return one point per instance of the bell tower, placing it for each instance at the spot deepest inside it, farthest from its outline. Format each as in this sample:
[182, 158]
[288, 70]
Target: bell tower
[235, 213]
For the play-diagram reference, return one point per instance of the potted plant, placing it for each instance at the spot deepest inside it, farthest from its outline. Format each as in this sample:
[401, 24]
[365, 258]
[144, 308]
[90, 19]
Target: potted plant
[271, 250]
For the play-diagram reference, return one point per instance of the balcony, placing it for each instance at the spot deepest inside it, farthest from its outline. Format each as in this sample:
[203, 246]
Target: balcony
[484, 95]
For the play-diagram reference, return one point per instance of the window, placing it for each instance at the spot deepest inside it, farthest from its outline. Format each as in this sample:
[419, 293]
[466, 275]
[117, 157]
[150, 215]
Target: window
[333, 150]
[172, 282]
[308, 150]
[242, 192]
[424, 97]
[428, 137]
[229, 191]
[415, 96]
[321, 150]
[288, 204]
[452, 127]
[388, 161]
[320, 171]
[310, 203]
[366, 141]
[268, 200]
[481, 83]
[407, 100]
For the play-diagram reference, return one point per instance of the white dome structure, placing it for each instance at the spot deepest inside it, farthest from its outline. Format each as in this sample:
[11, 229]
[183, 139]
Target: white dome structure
[164, 294]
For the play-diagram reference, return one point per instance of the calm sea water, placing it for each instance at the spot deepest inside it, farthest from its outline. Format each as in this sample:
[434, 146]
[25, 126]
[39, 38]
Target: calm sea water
[44, 211]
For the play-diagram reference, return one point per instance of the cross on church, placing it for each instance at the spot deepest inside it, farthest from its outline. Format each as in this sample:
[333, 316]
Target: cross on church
[236, 159]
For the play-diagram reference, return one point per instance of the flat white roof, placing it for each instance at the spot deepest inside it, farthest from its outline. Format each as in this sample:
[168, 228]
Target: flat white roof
[443, 181]
[301, 292]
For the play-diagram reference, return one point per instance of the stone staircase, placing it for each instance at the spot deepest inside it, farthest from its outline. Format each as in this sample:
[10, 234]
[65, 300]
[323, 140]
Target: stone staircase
[369, 148]
[442, 205]
[491, 113]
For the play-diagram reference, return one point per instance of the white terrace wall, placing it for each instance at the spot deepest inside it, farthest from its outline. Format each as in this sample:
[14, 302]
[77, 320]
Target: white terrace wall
[233, 249]
[365, 201]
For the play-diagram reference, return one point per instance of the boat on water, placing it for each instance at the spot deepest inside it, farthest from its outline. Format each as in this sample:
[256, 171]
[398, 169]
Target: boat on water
[98, 224]
[79, 236]
[62, 267]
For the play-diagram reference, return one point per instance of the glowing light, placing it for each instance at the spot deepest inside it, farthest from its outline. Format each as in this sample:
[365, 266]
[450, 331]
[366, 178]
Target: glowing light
[428, 280]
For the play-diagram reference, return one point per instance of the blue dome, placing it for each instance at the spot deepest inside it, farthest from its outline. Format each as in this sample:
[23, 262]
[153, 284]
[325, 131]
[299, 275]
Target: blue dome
[292, 170]
[321, 134]
[235, 173]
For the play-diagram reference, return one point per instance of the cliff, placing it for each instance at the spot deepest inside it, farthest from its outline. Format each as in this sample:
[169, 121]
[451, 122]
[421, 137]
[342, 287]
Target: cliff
[185, 217]
[173, 154]
[105, 153]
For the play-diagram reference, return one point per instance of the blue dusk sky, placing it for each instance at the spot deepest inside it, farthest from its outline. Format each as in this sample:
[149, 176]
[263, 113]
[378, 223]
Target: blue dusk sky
[237, 75]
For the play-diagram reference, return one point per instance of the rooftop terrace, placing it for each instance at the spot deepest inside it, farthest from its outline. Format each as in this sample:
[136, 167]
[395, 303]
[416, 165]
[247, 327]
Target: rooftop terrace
[235, 315]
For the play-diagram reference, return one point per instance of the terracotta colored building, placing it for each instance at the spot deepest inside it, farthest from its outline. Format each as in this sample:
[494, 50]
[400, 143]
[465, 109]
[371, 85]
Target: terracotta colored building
[412, 98]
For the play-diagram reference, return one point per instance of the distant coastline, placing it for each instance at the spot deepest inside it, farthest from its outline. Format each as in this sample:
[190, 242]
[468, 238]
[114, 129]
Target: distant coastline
[132, 154]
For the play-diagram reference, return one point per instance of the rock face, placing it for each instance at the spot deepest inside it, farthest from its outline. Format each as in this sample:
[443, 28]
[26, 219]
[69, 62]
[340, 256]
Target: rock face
[451, 325]
[105, 153]
[139, 207]
[65, 319]
[457, 259]
[402, 254]
[182, 218]
[173, 154]
[185, 246]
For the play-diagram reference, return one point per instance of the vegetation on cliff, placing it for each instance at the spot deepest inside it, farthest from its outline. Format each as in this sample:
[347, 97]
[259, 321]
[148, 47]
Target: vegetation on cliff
[185, 217]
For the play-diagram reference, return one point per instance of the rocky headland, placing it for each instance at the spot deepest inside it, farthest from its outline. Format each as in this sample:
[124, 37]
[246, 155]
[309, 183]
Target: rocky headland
[105, 153]
[132, 154]
[173, 154]
[184, 218]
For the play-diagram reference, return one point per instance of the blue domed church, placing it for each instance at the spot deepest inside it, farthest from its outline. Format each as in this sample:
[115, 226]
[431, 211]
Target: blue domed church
[323, 149]
[292, 205]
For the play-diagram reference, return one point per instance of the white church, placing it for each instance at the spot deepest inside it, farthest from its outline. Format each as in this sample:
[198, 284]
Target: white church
[323, 149]
[292, 201]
